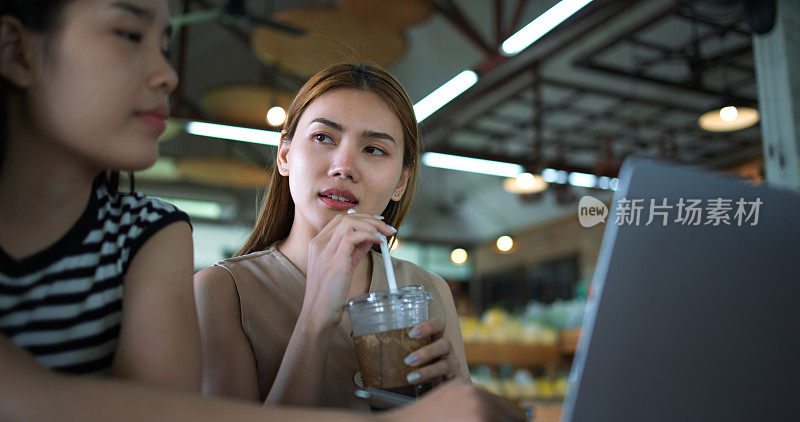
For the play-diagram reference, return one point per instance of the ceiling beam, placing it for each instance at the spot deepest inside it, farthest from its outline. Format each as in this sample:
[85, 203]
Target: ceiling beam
[614, 71]
[490, 89]
[499, 31]
[450, 11]
[716, 25]
[513, 25]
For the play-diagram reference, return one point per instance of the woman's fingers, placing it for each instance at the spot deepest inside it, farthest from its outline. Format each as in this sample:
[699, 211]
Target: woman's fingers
[423, 355]
[375, 220]
[441, 368]
[430, 328]
[440, 353]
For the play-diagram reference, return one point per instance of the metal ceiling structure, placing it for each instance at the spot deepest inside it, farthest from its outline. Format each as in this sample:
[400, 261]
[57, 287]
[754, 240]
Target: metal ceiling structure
[619, 77]
[548, 120]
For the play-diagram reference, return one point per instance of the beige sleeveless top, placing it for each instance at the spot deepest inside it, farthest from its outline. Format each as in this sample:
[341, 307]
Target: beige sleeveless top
[271, 291]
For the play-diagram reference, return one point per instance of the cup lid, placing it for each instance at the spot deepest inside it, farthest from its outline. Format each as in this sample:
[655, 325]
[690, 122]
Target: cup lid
[406, 292]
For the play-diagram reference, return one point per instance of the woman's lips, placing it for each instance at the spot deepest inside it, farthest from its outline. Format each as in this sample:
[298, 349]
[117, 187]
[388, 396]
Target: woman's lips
[154, 120]
[335, 203]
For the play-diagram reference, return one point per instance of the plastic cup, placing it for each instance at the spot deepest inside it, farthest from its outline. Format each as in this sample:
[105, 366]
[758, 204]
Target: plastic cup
[381, 322]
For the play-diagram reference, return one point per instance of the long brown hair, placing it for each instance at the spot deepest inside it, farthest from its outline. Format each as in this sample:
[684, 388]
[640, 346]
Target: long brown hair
[275, 218]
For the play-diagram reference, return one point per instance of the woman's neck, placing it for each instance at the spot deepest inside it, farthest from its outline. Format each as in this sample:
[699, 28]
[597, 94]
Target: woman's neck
[295, 248]
[43, 192]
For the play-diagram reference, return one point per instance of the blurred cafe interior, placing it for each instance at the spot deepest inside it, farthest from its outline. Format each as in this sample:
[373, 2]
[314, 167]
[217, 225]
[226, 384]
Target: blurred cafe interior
[552, 110]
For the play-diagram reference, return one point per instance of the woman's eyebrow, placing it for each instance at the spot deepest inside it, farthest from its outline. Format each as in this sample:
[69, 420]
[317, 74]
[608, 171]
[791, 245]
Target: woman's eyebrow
[365, 134]
[328, 122]
[377, 134]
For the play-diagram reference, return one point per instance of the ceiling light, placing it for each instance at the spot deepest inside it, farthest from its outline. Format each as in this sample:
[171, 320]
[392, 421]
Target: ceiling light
[201, 209]
[474, 165]
[458, 256]
[505, 243]
[728, 119]
[444, 94]
[728, 113]
[554, 176]
[540, 26]
[584, 180]
[524, 183]
[276, 116]
[525, 180]
[234, 133]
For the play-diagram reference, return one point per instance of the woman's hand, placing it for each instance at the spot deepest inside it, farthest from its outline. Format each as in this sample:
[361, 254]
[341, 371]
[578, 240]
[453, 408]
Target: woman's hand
[434, 360]
[456, 401]
[332, 258]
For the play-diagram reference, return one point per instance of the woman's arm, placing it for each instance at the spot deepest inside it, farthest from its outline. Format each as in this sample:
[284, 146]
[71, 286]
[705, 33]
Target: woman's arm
[299, 378]
[31, 393]
[332, 258]
[159, 341]
[229, 367]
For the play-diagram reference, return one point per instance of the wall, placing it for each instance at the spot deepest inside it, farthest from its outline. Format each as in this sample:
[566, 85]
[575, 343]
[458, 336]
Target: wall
[551, 240]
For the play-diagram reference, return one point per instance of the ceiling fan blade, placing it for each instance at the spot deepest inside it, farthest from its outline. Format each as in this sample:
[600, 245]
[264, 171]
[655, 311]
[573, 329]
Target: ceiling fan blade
[277, 25]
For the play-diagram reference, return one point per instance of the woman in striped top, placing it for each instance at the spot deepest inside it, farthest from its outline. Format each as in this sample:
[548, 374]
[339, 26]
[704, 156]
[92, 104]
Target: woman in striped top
[83, 92]
[70, 244]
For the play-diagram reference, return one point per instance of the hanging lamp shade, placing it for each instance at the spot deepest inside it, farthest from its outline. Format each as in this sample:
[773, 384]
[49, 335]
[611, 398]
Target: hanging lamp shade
[394, 14]
[333, 36]
[728, 118]
[524, 183]
[244, 104]
[221, 171]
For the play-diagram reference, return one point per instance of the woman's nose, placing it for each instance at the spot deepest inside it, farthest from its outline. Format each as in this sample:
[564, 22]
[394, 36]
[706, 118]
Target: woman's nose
[163, 77]
[344, 163]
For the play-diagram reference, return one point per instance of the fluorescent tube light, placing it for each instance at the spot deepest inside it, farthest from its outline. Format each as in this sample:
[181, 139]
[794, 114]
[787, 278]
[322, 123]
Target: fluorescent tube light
[540, 26]
[554, 176]
[604, 182]
[474, 165]
[235, 133]
[585, 180]
[444, 94]
[202, 209]
[549, 175]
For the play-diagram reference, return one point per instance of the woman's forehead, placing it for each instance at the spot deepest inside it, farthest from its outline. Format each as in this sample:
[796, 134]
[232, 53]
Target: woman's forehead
[355, 110]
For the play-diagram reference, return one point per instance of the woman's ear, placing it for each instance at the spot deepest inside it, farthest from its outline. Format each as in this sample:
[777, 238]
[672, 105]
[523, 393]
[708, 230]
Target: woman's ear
[282, 159]
[16, 45]
[400, 189]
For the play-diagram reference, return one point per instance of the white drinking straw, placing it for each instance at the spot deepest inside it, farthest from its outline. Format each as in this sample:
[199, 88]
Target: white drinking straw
[387, 259]
[387, 263]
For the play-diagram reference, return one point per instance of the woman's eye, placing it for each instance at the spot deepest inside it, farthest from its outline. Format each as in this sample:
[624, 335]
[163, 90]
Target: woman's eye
[133, 37]
[323, 138]
[374, 150]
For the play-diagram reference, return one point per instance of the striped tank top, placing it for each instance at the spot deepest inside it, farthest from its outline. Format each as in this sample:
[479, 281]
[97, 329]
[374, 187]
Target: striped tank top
[64, 304]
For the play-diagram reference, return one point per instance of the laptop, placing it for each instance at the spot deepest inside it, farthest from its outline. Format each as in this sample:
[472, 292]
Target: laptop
[691, 321]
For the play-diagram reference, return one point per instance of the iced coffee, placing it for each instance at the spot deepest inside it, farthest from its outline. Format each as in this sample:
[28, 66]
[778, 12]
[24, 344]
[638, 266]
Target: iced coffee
[381, 322]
